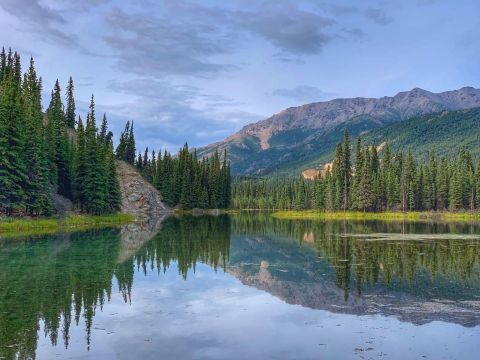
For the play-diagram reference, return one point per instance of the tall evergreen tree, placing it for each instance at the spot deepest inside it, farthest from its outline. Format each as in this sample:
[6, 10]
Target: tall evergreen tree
[13, 172]
[70, 108]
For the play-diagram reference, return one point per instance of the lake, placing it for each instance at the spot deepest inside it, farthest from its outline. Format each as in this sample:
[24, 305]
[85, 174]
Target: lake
[243, 287]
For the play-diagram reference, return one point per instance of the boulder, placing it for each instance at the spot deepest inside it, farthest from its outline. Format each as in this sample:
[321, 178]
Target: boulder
[139, 197]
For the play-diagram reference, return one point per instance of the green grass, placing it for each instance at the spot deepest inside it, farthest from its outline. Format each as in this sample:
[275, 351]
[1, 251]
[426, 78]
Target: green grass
[387, 215]
[25, 227]
[82, 220]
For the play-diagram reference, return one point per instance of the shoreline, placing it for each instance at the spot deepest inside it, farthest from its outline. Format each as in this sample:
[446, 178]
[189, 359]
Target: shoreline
[43, 226]
[383, 216]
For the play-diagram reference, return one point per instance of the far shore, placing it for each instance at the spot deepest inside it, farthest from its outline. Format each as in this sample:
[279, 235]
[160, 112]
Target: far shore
[385, 215]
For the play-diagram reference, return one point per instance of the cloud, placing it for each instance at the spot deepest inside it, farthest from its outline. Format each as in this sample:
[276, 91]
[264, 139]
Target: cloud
[288, 27]
[184, 38]
[305, 93]
[155, 46]
[83, 5]
[337, 9]
[168, 114]
[378, 16]
[40, 20]
[355, 33]
[427, 2]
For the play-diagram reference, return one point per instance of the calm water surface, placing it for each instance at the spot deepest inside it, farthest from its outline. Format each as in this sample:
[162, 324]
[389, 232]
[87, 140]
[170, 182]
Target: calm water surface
[243, 287]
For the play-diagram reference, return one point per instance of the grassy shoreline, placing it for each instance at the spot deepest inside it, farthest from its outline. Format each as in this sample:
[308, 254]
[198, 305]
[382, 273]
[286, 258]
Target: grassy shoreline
[385, 216]
[52, 225]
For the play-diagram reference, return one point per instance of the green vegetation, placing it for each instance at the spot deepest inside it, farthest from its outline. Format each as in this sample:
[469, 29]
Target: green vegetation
[186, 181]
[370, 183]
[42, 154]
[126, 147]
[46, 226]
[384, 215]
[444, 132]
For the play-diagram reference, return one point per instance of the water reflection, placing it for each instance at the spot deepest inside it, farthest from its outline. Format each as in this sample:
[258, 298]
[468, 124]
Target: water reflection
[417, 272]
[364, 268]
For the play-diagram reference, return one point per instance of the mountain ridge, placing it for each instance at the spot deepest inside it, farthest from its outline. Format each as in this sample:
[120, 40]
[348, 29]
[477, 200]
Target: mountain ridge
[302, 132]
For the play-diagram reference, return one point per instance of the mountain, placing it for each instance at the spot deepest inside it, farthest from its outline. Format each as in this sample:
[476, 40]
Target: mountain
[443, 132]
[301, 137]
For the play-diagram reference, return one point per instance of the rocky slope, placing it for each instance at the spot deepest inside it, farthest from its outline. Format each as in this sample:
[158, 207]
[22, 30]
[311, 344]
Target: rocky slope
[298, 134]
[139, 197]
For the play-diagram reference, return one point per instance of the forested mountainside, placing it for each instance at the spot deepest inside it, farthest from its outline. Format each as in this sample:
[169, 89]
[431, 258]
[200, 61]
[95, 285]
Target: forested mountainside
[369, 181]
[299, 137]
[443, 132]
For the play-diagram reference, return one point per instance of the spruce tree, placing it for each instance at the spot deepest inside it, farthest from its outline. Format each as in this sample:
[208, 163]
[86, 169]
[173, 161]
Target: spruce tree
[13, 172]
[70, 108]
[94, 186]
[80, 167]
[59, 142]
[37, 189]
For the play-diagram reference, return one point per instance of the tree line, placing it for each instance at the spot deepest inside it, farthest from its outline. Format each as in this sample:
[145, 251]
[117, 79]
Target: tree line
[367, 181]
[184, 180]
[47, 153]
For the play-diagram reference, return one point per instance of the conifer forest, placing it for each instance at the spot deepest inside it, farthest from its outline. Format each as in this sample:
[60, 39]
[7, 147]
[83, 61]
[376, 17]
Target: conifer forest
[369, 181]
[44, 154]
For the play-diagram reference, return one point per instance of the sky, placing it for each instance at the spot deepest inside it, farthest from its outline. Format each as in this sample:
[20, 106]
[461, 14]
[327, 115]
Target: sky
[199, 71]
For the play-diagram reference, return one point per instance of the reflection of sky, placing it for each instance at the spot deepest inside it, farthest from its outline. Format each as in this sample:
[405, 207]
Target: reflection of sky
[212, 315]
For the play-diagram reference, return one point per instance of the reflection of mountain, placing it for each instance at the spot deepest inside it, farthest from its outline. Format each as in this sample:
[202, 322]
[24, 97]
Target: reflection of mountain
[418, 281]
[65, 279]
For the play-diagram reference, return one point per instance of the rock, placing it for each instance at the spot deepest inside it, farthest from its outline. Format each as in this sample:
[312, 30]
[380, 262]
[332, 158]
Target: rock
[139, 197]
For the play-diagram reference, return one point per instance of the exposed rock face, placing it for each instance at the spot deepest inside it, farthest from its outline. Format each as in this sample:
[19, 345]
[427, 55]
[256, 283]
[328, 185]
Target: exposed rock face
[300, 133]
[139, 198]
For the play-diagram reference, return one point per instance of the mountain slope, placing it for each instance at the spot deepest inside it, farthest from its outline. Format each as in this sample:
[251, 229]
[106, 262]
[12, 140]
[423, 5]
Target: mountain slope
[299, 137]
[443, 132]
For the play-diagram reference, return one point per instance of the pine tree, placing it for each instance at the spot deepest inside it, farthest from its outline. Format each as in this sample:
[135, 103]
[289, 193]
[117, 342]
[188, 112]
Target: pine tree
[365, 194]
[59, 142]
[37, 189]
[13, 172]
[70, 109]
[113, 193]
[94, 186]
[80, 167]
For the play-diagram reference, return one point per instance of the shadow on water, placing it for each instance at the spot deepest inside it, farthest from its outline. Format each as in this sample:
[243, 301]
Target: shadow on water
[360, 268]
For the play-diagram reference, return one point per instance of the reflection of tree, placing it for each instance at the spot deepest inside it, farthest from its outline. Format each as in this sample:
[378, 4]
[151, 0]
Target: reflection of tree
[45, 280]
[188, 240]
[363, 261]
[59, 279]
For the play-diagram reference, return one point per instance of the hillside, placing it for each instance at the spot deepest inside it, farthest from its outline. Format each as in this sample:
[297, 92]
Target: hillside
[444, 132]
[302, 137]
